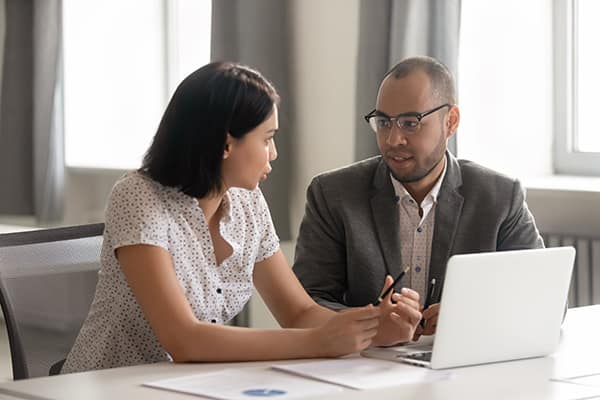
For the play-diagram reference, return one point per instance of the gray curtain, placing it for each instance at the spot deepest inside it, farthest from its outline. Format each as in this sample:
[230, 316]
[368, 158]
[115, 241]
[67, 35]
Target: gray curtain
[31, 110]
[391, 30]
[257, 33]
[2, 35]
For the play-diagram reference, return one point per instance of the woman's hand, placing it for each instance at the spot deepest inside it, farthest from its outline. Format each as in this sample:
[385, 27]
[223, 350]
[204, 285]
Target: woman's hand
[348, 331]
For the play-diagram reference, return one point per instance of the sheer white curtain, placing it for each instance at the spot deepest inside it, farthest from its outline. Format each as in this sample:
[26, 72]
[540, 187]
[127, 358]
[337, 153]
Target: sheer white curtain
[48, 112]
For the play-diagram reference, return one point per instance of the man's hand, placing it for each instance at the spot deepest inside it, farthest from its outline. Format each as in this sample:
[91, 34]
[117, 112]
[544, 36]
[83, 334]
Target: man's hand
[430, 315]
[399, 317]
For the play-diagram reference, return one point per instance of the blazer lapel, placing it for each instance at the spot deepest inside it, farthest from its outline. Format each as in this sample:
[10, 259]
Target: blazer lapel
[447, 214]
[385, 215]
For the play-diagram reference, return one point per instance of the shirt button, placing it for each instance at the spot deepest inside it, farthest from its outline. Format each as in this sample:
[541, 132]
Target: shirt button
[418, 269]
[219, 290]
[419, 229]
[411, 201]
[214, 321]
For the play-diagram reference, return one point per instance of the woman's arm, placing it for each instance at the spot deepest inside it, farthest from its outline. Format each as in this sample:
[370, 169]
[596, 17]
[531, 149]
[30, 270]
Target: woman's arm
[150, 273]
[293, 307]
[284, 295]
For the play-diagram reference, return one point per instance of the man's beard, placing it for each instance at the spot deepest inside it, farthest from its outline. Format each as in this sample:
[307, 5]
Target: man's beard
[431, 162]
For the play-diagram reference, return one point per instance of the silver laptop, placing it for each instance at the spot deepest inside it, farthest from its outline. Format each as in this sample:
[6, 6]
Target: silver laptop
[495, 306]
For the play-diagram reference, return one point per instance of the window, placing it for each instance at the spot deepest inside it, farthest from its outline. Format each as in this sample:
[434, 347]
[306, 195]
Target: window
[577, 84]
[122, 61]
[505, 85]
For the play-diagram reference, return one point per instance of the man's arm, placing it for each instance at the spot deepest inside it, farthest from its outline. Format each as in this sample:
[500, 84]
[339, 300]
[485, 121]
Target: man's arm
[518, 231]
[320, 257]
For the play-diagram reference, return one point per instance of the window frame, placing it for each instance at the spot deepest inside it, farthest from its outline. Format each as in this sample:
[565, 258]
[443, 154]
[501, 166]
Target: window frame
[567, 160]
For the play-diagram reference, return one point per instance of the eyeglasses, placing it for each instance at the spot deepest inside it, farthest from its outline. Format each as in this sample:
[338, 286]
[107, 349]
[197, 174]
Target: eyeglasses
[409, 123]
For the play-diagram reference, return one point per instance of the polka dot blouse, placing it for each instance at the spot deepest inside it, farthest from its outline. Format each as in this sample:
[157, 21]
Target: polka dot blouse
[142, 211]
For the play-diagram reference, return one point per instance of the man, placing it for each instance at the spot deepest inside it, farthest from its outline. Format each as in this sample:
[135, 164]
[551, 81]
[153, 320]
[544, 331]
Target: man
[414, 205]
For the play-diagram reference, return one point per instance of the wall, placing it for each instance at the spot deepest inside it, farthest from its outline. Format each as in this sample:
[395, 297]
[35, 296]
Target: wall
[325, 50]
[86, 194]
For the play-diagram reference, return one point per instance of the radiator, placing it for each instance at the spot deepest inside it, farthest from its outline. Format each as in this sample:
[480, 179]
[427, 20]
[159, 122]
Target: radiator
[585, 283]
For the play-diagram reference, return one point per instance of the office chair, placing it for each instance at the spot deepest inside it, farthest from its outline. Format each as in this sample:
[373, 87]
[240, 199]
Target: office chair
[47, 283]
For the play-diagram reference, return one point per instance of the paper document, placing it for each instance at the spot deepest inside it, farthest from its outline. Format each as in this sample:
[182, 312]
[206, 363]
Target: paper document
[245, 383]
[363, 373]
[587, 380]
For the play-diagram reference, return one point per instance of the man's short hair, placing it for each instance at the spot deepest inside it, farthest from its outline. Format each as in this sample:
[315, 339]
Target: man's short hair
[441, 78]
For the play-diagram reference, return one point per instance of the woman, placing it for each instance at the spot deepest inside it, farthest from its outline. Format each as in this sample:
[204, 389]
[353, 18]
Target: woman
[189, 232]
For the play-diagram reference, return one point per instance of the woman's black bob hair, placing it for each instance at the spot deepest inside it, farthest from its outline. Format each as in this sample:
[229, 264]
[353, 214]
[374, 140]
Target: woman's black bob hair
[219, 98]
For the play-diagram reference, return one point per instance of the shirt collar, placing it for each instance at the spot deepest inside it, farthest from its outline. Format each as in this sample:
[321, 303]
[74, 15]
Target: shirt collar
[226, 213]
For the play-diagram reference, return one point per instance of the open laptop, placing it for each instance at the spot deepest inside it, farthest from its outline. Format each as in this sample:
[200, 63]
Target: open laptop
[495, 306]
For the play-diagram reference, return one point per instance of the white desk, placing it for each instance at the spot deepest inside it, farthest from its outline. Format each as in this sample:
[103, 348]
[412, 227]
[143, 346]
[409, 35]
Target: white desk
[579, 354]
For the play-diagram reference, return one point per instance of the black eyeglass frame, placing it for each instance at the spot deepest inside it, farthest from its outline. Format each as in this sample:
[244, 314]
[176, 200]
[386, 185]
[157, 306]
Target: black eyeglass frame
[418, 116]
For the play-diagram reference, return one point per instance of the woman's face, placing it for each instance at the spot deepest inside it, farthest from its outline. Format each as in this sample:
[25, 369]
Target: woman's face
[247, 160]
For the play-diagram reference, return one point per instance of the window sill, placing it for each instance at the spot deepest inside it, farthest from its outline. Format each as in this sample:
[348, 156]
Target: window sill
[565, 204]
[567, 183]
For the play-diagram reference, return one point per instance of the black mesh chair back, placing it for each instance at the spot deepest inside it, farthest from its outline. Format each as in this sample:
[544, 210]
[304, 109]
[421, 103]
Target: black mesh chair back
[47, 283]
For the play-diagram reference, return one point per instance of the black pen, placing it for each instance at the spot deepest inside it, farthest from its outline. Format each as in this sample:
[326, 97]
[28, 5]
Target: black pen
[389, 289]
[429, 299]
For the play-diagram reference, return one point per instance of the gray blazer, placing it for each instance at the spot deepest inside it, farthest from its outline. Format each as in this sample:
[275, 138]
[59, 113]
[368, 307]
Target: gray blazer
[349, 237]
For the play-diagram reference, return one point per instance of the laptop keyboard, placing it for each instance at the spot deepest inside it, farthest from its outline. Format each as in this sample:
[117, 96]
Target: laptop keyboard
[421, 356]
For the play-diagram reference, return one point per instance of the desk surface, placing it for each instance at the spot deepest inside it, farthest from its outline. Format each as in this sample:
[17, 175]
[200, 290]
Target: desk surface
[578, 354]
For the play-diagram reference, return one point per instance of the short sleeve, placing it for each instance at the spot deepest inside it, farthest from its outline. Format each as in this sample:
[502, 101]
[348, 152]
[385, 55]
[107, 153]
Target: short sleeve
[136, 214]
[268, 241]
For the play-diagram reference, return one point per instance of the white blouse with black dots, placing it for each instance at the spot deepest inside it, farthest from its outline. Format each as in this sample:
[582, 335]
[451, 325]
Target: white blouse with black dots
[142, 211]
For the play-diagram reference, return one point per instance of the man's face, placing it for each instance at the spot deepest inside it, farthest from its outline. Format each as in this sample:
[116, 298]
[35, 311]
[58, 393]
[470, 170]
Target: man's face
[412, 157]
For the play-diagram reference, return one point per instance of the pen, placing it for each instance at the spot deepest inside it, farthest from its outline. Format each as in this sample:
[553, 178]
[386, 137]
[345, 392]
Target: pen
[429, 298]
[389, 289]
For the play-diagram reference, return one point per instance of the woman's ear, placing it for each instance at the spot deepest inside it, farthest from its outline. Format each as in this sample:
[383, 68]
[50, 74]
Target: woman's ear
[228, 145]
